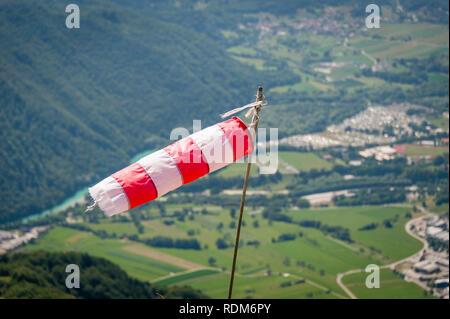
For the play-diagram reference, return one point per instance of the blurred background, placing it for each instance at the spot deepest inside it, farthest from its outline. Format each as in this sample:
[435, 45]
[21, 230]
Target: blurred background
[362, 111]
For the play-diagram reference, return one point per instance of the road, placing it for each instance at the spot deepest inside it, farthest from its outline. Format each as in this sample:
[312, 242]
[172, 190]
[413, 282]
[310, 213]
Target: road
[396, 263]
[411, 233]
[339, 282]
[374, 61]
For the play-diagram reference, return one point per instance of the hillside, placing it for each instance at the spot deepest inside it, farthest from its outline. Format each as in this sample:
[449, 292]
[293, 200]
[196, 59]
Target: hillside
[77, 104]
[362, 119]
[42, 275]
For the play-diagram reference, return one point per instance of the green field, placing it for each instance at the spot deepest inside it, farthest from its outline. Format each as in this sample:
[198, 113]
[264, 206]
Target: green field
[237, 169]
[298, 87]
[437, 78]
[318, 65]
[305, 161]
[314, 256]
[393, 243]
[256, 287]
[391, 286]
[173, 280]
[120, 229]
[302, 162]
[404, 41]
[65, 239]
[440, 122]
[257, 63]
[424, 151]
[240, 50]
[440, 210]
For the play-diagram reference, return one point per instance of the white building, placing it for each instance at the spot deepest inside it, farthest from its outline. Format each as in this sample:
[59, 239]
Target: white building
[441, 283]
[426, 267]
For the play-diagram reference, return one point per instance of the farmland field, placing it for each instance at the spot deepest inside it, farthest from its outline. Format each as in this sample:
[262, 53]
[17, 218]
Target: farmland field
[237, 169]
[62, 239]
[412, 150]
[314, 256]
[334, 86]
[300, 161]
[305, 161]
[393, 243]
[175, 279]
[405, 41]
[391, 286]
[256, 287]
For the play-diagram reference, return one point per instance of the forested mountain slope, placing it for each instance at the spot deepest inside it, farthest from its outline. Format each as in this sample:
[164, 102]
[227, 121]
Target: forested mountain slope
[43, 275]
[76, 104]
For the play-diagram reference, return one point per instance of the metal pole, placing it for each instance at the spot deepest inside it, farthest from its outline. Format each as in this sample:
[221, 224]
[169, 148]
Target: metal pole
[255, 121]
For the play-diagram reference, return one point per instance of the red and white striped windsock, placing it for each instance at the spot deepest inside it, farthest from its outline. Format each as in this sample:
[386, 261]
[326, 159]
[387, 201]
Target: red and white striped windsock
[177, 164]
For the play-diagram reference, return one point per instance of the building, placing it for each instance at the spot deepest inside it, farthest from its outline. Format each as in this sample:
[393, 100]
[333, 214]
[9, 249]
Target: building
[433, 231]
[440, 223]
[355, 163]
[442, 262]
[4, 235]
[380, 153]
[426, 267]
[441, 283]
[442, 236]
[427, 143]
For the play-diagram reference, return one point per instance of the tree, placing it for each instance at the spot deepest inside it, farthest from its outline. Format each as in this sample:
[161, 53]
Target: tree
[255, 243]
[169, 222]
[191, 232]
[212, 261]
[255, 224]
[221, 243]
[286, 237]
[438, 160]
[103, 279]
[233, 213]
[187, 244]
[387, 223]
[303, 203]
[162, 208]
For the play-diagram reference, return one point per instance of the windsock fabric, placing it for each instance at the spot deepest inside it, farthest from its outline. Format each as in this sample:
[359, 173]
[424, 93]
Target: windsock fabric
[173, 166]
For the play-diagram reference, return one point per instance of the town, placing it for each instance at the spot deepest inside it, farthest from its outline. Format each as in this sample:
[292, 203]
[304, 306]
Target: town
[429, 268]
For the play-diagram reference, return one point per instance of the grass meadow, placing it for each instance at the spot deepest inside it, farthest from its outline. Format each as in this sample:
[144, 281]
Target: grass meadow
[314, 256]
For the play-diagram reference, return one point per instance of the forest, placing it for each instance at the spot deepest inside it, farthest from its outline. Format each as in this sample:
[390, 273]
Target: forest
[79, 104]
[42, 275]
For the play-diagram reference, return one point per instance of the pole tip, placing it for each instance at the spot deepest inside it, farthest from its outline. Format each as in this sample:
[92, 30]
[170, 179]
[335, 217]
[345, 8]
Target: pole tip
[259, 95]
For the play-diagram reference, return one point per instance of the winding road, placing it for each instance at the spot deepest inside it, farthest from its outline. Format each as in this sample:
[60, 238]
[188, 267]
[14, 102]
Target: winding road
[394, 264]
